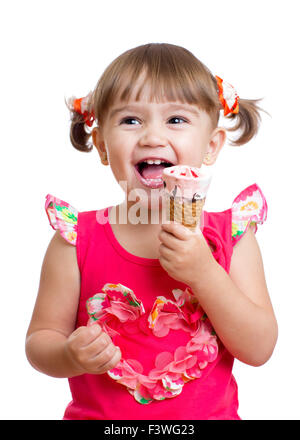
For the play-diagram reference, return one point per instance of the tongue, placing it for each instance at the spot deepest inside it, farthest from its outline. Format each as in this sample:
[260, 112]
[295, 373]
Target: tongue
[153, 171]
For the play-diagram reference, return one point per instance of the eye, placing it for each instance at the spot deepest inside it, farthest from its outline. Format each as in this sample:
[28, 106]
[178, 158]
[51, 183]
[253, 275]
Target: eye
[128, 121]
[177, 120]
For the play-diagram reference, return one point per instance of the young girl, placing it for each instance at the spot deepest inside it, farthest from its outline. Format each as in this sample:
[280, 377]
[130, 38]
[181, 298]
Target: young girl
[145, 318]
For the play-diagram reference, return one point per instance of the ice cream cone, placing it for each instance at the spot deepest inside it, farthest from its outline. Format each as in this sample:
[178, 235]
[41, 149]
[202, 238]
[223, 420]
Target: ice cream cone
[184, 196]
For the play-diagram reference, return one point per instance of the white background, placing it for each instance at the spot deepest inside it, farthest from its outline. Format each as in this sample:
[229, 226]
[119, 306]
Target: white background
[60, 48]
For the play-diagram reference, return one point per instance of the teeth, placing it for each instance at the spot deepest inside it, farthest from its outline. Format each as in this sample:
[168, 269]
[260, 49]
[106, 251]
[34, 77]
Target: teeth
[152, 180]
[154, 161]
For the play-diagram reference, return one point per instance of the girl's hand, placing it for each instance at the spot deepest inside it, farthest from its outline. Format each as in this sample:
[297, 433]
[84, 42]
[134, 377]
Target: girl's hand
[91, 350]
[184, 254]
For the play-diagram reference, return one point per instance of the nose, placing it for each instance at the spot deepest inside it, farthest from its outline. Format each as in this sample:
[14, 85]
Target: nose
[153, 136]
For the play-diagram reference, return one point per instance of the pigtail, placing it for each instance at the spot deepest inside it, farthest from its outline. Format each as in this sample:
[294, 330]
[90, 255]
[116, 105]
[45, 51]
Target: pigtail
[78, 135]
[81, 117]
[247, 121]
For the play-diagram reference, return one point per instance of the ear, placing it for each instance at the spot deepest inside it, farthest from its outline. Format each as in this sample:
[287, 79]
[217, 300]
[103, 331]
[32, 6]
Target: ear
[99, 143]
[215, 145]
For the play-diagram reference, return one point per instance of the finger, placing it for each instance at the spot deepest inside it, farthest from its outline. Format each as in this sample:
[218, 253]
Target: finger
[111, 362]
[104, 355]
[178, 230]
[97, 345]
[166, 252]
[168, 239]
[95, 363]
[85, 335]
[165, 263]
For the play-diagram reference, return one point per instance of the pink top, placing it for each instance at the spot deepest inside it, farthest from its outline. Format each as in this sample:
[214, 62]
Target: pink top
[173, 365]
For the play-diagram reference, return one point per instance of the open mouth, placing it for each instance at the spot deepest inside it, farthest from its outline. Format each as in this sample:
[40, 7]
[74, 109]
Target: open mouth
[149, 171]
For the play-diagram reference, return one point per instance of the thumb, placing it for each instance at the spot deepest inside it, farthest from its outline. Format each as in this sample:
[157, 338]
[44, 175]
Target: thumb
[94, 327]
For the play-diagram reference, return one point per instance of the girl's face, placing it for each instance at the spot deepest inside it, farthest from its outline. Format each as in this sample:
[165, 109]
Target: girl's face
[138, 132]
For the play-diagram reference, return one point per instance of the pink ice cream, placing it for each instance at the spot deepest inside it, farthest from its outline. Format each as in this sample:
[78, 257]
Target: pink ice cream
[186, 181]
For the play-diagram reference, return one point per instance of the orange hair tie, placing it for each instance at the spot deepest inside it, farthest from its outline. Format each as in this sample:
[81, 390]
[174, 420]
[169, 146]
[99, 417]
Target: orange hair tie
[79, 106]
[228, 97]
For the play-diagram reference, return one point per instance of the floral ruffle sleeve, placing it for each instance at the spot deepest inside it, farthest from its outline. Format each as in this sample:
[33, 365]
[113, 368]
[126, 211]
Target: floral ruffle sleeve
[63, 217]
[248, 208]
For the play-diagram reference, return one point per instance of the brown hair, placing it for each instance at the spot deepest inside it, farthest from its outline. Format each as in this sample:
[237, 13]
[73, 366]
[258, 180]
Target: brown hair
[173, 73]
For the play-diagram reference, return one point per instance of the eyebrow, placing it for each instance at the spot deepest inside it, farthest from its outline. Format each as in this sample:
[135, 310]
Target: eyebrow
[170, 106]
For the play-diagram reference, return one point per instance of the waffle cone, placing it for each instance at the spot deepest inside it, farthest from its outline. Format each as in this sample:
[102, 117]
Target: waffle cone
[187, 213]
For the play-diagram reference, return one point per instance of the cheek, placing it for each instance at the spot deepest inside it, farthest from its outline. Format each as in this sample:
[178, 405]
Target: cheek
[194, 144]
[121, 166]
[119, 147]
[118, 166]
[192, 154]
[116, 152]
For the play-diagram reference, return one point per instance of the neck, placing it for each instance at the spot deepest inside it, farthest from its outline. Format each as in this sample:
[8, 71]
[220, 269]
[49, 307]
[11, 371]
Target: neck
[138, 238]
[136, 217]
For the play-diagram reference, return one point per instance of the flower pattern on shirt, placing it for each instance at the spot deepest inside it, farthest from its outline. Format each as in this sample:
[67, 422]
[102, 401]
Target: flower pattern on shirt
[117, 303]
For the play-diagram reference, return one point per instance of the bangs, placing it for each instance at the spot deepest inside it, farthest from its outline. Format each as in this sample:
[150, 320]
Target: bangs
[170, 73]
[165, 72]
